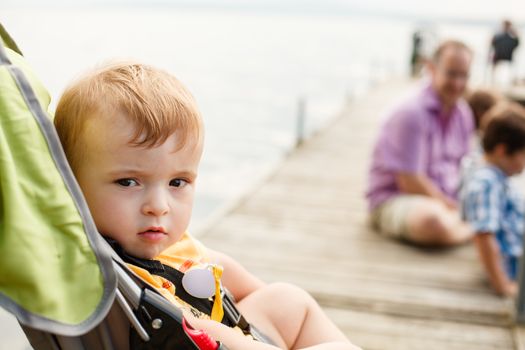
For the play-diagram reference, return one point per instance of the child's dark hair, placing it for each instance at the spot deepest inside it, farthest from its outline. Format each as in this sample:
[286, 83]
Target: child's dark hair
[480, 101]
[506, 126]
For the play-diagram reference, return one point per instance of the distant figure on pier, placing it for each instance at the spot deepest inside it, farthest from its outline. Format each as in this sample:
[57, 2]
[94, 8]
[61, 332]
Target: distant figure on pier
[414, 174]
[416, 57]
[502, 48]
[423, 44]
[492, 204]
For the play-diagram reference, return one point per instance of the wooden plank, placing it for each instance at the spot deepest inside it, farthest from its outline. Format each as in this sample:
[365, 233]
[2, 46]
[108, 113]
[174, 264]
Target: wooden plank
[316, 239]
[307, 224]
[370, 288]
[518, 333]
[374, 331]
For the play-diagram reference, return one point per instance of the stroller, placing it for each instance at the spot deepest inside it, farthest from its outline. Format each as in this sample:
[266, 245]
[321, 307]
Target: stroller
[62, 281]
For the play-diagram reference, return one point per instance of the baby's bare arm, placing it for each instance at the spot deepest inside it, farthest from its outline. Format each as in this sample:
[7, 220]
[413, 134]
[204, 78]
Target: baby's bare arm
[239, 281]
[230, 337]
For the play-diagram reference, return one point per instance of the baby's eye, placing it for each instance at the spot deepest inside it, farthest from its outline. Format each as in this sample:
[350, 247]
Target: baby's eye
[127, 182]
[178, 183]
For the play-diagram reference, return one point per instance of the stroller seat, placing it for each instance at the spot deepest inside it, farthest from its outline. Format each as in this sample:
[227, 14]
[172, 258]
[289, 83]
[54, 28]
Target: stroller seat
[61, 280]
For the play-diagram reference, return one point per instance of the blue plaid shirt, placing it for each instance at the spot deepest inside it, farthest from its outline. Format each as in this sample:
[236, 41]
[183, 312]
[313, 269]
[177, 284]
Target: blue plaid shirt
[491, 203]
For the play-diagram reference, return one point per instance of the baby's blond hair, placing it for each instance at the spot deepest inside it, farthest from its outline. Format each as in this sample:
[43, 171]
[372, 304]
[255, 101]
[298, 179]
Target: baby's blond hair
[155, 101]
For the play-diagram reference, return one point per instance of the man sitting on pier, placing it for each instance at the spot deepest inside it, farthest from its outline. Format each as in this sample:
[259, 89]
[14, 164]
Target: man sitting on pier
[414, 172]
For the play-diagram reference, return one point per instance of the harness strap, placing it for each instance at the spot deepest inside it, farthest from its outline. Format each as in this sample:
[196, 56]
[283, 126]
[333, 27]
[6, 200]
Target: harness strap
[232, 313]
[232, 316]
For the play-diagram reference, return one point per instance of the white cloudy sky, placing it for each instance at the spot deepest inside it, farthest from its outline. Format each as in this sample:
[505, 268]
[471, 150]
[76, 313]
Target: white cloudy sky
[475, 9]
[485, 10]
[465, 9]
[478, 9]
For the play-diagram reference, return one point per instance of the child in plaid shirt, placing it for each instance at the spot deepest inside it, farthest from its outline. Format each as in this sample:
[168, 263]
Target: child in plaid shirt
[490, 202]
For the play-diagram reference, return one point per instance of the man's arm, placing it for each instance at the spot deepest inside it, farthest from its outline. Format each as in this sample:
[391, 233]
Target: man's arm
[491, 259]
[421, 184]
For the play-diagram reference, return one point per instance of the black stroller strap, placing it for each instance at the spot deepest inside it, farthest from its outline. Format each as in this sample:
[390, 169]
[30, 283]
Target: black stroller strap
[232, 316]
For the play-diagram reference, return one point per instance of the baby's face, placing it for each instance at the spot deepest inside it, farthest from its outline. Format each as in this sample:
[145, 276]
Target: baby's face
[140, 197]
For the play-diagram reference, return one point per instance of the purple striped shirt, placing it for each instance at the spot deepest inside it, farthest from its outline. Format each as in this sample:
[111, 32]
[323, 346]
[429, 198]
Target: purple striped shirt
[417, 138]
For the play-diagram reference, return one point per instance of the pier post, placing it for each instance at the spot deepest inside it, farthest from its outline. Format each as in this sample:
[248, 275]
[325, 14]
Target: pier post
[520, 300]
[300, 126]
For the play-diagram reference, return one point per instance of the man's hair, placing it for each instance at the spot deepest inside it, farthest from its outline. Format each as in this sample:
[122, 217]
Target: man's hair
[506, 125]
[449, 44]
[480, 101]
[155, 101]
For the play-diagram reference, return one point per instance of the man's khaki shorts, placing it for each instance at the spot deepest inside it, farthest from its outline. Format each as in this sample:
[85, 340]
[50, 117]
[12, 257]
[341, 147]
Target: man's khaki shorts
[391, 217]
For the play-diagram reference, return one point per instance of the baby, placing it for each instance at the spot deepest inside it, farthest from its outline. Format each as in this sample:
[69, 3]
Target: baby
[133, 136]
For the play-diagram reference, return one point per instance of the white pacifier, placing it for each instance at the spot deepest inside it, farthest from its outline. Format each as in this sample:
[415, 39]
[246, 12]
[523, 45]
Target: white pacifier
[199, 282]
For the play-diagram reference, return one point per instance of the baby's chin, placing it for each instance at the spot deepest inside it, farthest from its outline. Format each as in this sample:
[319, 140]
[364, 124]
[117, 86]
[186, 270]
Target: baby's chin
[144, 253]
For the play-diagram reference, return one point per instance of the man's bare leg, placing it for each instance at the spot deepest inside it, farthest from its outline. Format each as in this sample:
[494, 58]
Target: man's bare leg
[433, 224]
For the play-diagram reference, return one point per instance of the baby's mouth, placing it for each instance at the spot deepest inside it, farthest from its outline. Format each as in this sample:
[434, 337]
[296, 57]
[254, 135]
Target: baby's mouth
[153, 234]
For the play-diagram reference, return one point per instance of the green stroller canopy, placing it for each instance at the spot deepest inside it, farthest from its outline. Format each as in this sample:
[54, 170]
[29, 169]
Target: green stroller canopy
[56, 271]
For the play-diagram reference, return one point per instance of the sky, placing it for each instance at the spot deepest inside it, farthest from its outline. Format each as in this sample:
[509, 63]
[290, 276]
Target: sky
[461, 10]
[482, 10]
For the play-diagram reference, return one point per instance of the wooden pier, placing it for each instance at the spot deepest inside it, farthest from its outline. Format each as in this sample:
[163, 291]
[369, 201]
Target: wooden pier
[307, 224]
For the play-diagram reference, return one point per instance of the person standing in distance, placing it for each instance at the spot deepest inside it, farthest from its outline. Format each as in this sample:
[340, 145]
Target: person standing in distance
[502, 47]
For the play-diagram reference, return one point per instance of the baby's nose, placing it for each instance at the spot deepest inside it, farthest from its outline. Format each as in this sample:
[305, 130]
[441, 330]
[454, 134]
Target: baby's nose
[156, 204]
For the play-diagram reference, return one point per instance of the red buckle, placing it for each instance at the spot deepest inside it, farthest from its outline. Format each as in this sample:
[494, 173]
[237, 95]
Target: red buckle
[199, 337]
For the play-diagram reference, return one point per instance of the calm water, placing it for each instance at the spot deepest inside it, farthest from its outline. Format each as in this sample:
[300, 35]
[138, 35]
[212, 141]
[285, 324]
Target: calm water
[246, 70]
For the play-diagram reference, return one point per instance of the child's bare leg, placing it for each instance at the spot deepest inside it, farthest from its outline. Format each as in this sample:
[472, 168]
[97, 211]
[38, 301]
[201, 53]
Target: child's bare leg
[291, 317]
